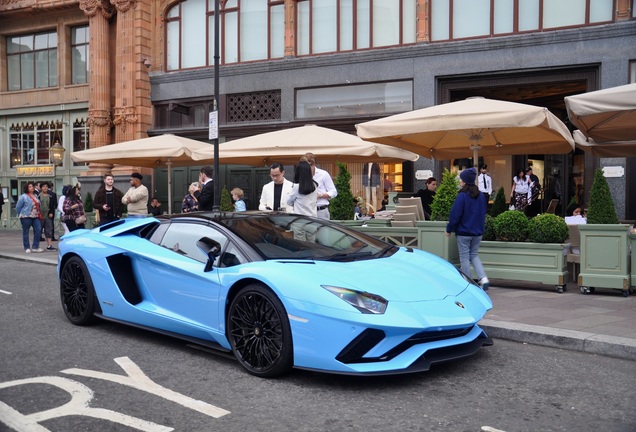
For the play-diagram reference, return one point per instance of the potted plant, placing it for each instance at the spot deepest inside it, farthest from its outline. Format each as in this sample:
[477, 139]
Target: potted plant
[604, 243]
[225, 203]
[341, 207]
[499, 204]
[532, 250]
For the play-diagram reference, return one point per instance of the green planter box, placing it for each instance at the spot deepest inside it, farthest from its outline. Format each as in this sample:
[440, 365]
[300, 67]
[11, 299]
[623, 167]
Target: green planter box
[632, 242]
[432, 238]
[544, 263]
[605, 260]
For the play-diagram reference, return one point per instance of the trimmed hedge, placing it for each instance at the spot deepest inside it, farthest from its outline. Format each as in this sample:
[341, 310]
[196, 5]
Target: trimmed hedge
[511, 226]
[547, 228]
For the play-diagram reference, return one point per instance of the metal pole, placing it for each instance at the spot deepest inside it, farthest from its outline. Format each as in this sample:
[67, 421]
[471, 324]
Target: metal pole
[217, 189]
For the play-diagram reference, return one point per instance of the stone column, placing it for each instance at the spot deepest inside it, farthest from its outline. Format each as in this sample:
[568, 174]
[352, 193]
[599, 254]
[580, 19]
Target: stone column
[99, 122]
[99, 12]
[125, 112]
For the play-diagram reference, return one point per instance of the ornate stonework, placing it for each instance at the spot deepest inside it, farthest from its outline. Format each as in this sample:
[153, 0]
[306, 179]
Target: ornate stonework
[91, 7]
[124, 5]
[123, 115]
[98, 118]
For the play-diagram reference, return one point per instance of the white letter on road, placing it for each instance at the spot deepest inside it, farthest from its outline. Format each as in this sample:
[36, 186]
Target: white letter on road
[137, 379]
[77, 406]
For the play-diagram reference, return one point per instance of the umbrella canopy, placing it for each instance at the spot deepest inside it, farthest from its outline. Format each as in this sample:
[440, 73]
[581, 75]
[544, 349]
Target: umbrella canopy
[288, 145]
[605, 115]
[153, 152]
[604, 149]
[471, 127]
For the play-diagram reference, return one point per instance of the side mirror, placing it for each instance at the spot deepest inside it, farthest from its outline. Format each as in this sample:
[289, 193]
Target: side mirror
[211, 248]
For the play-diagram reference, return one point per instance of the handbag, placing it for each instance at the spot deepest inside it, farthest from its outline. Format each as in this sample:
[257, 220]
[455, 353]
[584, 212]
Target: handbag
[80, 220]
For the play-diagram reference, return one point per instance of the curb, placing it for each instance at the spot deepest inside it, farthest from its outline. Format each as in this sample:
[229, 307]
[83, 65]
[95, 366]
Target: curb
[605, 345]
[31, 258]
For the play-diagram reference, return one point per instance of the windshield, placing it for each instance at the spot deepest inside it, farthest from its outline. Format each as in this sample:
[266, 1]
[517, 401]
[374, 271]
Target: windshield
[280, 236]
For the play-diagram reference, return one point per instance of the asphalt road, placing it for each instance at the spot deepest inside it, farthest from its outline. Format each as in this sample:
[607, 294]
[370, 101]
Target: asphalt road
[124, 379]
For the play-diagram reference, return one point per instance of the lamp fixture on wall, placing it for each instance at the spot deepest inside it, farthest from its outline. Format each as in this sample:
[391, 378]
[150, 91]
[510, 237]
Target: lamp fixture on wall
[56, 151]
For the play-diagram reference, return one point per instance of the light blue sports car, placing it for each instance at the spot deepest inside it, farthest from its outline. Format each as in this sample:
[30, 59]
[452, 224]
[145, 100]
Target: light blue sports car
[277, 290]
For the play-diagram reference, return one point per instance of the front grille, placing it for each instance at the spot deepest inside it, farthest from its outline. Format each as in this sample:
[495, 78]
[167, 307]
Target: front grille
[355, 351]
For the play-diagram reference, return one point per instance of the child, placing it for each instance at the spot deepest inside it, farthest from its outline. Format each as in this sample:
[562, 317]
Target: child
[237, 196]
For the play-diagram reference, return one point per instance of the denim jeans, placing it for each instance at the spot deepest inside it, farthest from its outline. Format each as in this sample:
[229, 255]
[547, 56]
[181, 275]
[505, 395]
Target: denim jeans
[27, 223]
[468, 248]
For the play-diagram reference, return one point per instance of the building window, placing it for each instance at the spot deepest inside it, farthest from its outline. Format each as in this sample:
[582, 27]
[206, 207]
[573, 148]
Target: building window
[79, 55]
[80, 138]
[324, 26]
[250, 30]
[30, 142]
[632, 71]
[458, 19]
[354, 100]
[32, 61]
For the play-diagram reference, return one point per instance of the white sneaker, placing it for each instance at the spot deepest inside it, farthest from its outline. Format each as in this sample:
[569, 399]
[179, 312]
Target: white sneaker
[484, 283]
[27, 251]
[38, 250]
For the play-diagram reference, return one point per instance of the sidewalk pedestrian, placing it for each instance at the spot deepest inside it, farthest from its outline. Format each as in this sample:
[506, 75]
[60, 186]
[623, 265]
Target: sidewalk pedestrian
[136, 198]
[60, 207]
[47, 207]
[326, 188]
[28, 210]
[107, 201]
[74, 216]
[467, 221]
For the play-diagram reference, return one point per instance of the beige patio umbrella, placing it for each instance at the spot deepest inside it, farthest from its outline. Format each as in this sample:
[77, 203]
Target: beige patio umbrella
[605, 115]
[288, 145]
[604, 149]
[154, 152]
[472, 127]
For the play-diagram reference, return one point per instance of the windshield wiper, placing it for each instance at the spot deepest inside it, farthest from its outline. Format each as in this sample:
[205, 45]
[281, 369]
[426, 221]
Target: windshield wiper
[385, 250]
[346, 256]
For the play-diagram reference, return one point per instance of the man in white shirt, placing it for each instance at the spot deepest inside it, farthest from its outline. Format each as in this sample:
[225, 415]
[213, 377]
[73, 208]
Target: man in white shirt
[137, 197]
[326, 189]
[484, 182]
[275, 193]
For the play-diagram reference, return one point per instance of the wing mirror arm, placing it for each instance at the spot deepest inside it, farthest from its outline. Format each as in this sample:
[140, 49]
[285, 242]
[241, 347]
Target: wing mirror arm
[212, 249]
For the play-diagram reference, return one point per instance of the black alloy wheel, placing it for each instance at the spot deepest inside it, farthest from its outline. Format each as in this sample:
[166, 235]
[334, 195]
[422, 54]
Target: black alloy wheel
[77, 292]
[259, 332]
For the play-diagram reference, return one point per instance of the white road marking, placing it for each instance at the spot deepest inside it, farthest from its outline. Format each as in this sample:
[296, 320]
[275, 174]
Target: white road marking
[5, 292]
[490, 429]
[137, 379]
[78, 405]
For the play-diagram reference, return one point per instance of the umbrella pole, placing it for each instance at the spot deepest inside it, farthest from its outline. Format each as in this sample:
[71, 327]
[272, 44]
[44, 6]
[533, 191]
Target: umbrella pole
[169, 165]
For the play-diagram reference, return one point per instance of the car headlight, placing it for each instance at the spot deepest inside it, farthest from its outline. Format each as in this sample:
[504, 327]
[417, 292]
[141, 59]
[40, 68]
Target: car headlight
[363, 301]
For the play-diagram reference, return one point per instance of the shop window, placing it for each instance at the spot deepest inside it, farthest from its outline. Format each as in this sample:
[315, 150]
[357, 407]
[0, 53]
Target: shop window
[354, 100]
[30, 142]
[80, 138]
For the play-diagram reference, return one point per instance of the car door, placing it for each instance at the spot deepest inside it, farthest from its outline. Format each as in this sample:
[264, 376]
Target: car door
[176, 284]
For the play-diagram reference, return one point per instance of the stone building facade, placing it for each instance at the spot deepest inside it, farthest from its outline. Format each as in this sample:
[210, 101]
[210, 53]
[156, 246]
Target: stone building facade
[137, 85]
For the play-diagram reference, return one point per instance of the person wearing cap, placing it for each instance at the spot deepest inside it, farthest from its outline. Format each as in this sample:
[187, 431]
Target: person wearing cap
[484, 182]
[136, 198]
[467, 221]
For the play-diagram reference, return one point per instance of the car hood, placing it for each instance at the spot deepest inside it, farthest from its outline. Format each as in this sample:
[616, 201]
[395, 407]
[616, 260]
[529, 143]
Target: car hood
[408, 275]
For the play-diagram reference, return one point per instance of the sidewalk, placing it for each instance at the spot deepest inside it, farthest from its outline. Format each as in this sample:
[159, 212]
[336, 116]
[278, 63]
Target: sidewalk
[603, 323]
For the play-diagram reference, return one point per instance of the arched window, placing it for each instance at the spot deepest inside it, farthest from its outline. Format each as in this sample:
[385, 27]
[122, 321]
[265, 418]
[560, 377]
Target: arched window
[249, 30]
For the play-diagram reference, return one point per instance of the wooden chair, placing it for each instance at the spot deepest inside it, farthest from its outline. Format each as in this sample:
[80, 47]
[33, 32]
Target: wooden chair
[552, 206]
[419, 213]
[574, 252]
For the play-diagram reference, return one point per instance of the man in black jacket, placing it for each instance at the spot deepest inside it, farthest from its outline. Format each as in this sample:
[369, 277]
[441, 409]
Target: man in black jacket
[206, 197]
[107, 201]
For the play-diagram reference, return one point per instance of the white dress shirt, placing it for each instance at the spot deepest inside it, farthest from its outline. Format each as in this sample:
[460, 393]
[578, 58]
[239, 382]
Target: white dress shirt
[487, 188]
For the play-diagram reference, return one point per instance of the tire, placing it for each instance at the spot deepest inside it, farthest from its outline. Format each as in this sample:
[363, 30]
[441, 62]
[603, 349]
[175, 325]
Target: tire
[259, 332]
[77, 292]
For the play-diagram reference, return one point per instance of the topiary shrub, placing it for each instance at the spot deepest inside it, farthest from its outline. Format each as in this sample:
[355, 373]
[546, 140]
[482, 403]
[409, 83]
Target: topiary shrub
[341, 207]
[512, 226]
[489, 229]
[499, 204]
[601, 210]
[226, 203]
[444, 197]
[547, 228]
[88, 203]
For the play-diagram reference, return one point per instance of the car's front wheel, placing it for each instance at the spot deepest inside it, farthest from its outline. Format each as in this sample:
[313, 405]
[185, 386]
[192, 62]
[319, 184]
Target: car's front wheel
[77, 292]
[259, 332]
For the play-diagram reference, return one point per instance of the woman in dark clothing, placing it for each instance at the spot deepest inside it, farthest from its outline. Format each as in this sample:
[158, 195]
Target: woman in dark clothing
[467, 220]
[426, 195]
[74, 210]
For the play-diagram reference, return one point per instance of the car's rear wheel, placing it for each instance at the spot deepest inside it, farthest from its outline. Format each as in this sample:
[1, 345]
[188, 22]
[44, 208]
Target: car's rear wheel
[259, 332]
[77, 292]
